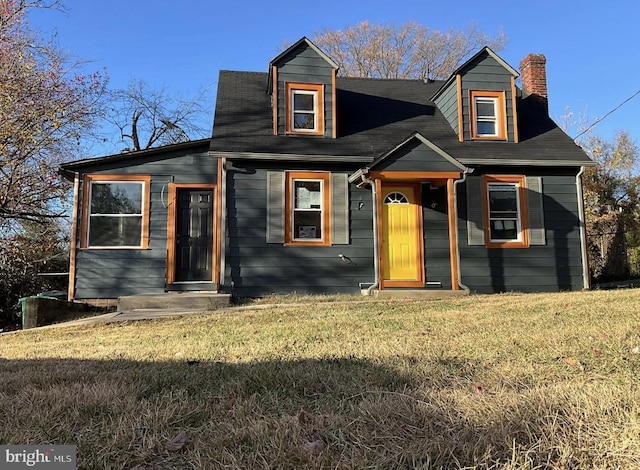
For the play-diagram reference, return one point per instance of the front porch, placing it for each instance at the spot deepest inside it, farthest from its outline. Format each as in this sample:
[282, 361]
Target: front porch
[415, 215]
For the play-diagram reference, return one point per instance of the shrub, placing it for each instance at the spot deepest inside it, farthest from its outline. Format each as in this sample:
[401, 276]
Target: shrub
[23, 255]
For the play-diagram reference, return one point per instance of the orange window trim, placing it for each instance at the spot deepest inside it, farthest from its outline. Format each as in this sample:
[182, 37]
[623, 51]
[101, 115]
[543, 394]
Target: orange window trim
[326, 209]
[516, 137]
[524, 217]
[334, 107]
[460, 114]
[501, 117]
[86, 190]
[274, 104]
[319, 89]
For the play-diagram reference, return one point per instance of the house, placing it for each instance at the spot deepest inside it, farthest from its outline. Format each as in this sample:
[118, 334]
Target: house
[315, 183]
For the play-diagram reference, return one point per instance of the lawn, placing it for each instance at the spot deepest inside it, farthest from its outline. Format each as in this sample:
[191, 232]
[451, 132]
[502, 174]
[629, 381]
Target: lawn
[508, 381]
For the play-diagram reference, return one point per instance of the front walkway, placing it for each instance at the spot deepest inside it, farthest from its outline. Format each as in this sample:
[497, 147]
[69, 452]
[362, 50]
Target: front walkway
[155, 313]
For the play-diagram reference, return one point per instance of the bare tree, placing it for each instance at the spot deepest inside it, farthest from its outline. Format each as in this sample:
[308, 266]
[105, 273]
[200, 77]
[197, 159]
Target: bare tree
[45, 107]
[406, 51]
[148, 118]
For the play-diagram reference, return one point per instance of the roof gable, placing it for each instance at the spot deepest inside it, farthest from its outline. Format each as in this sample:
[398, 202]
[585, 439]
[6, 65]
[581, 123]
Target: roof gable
[486, 50]
[482, 53]
[417, 153]
[302, 43]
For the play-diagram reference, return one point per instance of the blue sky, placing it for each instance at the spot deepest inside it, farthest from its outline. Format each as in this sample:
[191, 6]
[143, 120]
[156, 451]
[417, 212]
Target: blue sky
[593, 56]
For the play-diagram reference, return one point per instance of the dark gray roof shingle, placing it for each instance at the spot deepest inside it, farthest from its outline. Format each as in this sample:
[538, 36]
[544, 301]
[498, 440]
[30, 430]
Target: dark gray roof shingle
[373, 116]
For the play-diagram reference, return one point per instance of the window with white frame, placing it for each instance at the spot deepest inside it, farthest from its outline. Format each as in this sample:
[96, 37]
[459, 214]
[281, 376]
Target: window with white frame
[305, 109]
[116, 212]
[505, 216]
[488, 115]
[307, 208]
[509, 212]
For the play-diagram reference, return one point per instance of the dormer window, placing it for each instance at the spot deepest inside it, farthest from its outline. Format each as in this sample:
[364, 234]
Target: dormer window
[488, 115]
[305, 108]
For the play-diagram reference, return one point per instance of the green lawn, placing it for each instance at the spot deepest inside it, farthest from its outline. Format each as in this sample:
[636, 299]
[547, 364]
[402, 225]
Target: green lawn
[505, 381]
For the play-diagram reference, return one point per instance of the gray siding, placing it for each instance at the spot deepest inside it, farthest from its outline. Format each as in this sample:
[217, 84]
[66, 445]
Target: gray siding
[109, 273]
[487, 74]
[304, 65]
[255, 267]
[416, 156]
[557, 265]
[447, 103]
[436, 235]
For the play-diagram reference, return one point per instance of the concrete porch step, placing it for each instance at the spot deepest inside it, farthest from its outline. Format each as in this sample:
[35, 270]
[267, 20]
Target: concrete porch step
[426, 294]
[174, 300]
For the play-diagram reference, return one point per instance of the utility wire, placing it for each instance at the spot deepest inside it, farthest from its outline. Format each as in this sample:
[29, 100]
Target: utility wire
[606, 115]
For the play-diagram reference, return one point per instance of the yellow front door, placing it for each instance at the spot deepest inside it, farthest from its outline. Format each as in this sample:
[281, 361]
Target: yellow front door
[402, 264]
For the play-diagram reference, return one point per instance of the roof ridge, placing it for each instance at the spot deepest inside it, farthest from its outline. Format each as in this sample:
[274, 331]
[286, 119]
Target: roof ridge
[427, 81]
[378, 79]
[243, 71]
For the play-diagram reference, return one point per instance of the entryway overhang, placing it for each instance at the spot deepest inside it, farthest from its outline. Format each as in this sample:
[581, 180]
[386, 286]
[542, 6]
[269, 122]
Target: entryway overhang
[397, 179]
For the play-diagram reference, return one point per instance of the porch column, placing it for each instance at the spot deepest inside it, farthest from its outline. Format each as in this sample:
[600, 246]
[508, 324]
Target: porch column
[453, 241]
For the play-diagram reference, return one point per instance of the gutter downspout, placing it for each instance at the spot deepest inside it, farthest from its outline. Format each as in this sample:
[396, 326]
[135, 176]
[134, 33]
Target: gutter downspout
[583, 232]
[376, 267]
[455, 214]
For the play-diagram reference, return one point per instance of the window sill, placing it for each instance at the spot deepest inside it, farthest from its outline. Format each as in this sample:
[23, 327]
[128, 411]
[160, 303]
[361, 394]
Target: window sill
[493, 139]
[515, 244]
[102, 248]
[296, 243]
[314, 133]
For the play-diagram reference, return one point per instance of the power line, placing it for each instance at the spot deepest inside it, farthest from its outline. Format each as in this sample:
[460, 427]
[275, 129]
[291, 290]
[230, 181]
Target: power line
[606, 115]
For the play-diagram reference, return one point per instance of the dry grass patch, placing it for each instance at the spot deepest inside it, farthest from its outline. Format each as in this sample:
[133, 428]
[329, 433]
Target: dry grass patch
[509, 381]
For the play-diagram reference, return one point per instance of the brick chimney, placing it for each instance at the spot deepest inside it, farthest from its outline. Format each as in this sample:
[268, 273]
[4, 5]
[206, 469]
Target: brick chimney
[534, 78]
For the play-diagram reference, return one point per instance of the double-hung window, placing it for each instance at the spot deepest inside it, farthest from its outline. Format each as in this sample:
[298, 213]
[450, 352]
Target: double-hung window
[505, 221]
[488, 115]
[115, 211]
[307, 208]
[305, 110]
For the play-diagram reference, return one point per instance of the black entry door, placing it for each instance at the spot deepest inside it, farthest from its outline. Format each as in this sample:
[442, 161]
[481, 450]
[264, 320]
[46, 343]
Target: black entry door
[194, 235]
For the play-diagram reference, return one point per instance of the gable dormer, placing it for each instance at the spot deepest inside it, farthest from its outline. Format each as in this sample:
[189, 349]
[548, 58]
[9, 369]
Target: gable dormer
[302, 84]
[479, 99]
